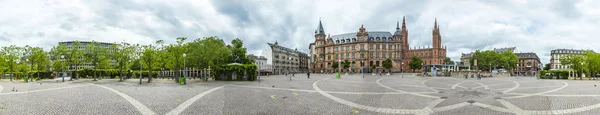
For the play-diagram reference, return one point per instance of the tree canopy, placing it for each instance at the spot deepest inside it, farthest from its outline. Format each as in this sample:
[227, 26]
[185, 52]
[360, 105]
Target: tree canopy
[489, 59]
[415, 63]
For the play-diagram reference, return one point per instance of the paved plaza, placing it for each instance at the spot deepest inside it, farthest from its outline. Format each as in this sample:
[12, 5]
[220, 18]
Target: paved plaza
[321, 94]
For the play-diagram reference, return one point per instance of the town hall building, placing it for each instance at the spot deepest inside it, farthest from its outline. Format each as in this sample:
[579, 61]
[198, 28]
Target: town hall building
[366, 48]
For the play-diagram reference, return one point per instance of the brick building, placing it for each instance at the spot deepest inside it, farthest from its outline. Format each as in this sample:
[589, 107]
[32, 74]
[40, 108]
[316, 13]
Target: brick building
[365, 48]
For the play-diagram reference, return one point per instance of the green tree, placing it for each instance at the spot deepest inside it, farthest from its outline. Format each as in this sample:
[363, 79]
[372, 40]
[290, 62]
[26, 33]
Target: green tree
[238, 52]
[38, 59]
[12, 55]
[449, 61]
[334, 65]
[3, 65]
[387, 64]
[415, 63]
[176, 51]
[547, 66]
[373, 69]
[575, 62]
[103, 65]
[346, 64]
[73, 56]
[208, 51]
[123, 54]
[150, 58]
[95, 53]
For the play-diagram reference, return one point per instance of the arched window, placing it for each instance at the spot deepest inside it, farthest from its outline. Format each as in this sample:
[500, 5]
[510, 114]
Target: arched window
[377, 38]
[371, 38]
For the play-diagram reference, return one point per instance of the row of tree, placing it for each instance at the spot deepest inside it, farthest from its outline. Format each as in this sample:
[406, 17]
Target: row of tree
[200, 53]
[488, 60]
[588, 63]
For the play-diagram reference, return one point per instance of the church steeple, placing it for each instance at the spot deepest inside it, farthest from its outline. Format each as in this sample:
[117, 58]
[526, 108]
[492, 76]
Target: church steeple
[320, 30]
[435, 24]
[398, 28]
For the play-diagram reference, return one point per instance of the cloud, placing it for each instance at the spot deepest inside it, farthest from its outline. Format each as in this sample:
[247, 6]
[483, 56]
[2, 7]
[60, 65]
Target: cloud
[532, 26]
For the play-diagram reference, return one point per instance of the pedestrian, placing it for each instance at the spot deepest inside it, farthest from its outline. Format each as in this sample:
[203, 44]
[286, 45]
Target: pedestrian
[467, 76]
[308, 75]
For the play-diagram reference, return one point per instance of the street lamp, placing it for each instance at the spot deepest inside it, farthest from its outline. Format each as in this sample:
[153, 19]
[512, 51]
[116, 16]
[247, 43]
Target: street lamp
[27, 72]
[339, 65]
[63, 76]
[402, 69]
[185, 70]
[581, 68]
[141, 70]
[361, 68]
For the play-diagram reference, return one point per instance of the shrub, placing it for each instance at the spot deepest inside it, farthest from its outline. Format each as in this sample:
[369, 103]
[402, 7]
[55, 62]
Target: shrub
[225, 72]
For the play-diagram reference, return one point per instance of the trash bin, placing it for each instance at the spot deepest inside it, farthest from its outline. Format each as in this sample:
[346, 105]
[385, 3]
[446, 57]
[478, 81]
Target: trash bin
[337, 75]
[26, 78]
[181, 80]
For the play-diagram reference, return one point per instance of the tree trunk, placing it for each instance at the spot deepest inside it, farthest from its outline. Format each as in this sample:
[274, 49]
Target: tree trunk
[95, 74]
[149, 75]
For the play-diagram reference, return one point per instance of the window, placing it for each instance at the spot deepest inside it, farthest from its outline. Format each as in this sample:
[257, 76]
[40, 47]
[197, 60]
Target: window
[390, 54]
[389, 46]
[372, 46]
[336, 56]
[383, 46]
[362, 55]
[353, 56]
[353, 47]
[347, 55]
[347, 48]
[362, 46]
[336, 48]
[377, 54]
[341, 48]
[382, 55]
[372, 55]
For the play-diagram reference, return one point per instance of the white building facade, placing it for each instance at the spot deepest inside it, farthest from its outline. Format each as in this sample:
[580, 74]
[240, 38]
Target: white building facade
[283, 60]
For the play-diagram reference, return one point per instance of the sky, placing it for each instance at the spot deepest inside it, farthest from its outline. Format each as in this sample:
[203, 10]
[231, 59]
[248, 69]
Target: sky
[465, 25]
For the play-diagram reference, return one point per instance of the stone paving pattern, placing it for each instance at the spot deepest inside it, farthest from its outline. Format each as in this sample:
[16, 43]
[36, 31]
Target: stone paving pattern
[274, 95]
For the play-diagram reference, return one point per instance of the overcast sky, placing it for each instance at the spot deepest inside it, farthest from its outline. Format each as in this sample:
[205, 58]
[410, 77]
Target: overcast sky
[466, 25]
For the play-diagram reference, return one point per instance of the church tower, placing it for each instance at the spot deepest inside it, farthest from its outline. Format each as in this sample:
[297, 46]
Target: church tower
[404, 39]
[436, 43]
[320, 38]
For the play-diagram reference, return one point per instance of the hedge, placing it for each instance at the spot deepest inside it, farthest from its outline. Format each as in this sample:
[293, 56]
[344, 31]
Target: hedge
[561, 74]
[225, 72]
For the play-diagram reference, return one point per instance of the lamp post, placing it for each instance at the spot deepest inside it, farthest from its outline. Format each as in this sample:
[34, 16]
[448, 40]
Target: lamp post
[141, 66]
[339, 65]
[581, 76]
[63, 76]
[184, 70]
[361, 68]
[517, 71]
[27, 72]
[402, 70]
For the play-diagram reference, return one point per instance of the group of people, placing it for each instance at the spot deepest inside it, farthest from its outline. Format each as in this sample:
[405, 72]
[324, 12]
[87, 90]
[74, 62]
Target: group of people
[479, 75]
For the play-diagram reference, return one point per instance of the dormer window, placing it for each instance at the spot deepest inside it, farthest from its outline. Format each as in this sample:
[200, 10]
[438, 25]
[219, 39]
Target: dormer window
[353, 39]
[377, 38]
[371, 38]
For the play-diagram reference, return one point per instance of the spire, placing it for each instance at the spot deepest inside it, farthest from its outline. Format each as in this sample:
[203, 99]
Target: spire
[398, 28]
[404, 22]
[397, 25]
[320, 30]
[435, 25]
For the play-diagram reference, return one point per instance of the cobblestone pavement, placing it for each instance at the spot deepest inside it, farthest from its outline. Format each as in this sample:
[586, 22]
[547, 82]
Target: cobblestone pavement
[321, 94]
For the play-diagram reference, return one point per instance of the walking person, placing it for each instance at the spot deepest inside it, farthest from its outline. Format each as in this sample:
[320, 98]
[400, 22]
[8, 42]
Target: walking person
[308, 75]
